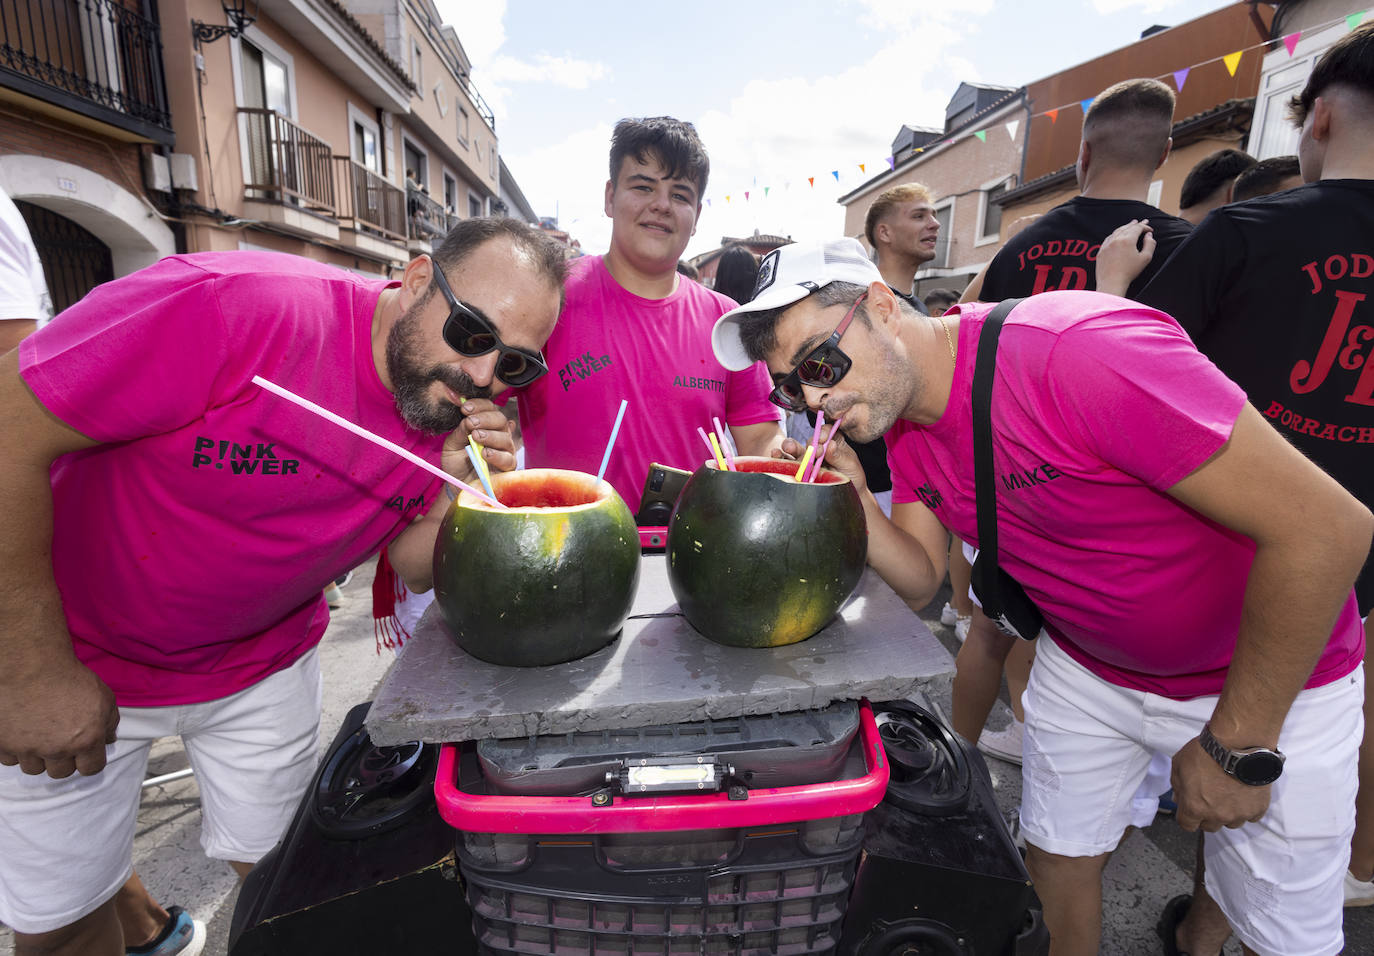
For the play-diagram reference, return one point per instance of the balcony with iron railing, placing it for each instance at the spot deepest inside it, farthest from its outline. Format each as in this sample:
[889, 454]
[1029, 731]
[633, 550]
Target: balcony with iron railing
[426, 218]
[370, 204]
[287, 164]
[101, 59]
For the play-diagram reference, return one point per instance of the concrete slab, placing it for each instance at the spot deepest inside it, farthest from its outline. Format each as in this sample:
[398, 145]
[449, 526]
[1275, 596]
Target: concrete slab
[660, 671]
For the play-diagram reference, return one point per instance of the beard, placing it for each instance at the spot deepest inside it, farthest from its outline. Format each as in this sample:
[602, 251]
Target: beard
[894, 385]
[411, 380]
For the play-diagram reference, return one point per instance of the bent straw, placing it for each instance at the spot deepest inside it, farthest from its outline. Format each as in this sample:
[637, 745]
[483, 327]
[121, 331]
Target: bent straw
[834, 427]
[720, 459]
[481, 474]
[615, 430]
[362, 432]
[806, 460]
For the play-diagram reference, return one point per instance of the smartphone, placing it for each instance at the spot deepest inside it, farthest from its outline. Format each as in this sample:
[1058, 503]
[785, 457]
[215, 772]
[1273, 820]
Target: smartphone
[661, 488]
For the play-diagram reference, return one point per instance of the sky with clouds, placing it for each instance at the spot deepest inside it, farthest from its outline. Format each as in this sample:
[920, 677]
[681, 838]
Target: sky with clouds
[779, 92]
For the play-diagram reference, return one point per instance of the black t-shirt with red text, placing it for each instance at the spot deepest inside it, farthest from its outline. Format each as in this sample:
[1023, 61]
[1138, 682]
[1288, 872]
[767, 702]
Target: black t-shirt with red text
[1059, 250]
[1279, 292]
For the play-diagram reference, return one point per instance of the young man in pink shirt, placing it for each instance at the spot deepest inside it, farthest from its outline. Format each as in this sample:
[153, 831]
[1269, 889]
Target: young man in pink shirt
[633, 328]
[146, 477]
[1163, 528]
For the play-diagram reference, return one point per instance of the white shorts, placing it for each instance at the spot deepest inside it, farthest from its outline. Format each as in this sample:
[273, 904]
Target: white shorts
[66, 845]
[1089, 746]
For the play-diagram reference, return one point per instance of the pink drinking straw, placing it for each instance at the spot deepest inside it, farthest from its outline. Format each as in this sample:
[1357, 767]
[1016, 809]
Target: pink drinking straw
[706, 440]
[362, 432]
[834, 427]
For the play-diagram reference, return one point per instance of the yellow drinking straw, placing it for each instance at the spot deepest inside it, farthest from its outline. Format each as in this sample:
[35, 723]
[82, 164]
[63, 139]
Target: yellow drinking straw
[806, 460]
[715, 449]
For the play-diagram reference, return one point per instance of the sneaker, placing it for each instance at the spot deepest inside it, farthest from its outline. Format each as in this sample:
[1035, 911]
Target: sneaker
[1168, 806]
[961, 627]
[1004, 744]
[333, 596]
[948, 615]
[182, 936]
[343, 581]
[1358, 892]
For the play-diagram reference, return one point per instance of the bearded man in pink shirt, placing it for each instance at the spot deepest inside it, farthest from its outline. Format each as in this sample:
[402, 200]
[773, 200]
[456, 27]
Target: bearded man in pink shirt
[1164, 530]
[146, 477]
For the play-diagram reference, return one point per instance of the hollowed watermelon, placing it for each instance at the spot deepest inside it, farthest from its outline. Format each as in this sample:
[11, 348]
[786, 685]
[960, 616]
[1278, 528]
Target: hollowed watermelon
[549, 580]
[756, 559]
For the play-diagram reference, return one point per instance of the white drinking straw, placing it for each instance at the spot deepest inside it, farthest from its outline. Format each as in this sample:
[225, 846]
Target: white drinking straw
[362, 432]
[615, 430]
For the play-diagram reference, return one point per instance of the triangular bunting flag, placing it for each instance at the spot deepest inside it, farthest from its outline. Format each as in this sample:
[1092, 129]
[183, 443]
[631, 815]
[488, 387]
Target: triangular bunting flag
[1012, 128]
[861, 168]
[1086, 104]
[836, 174]
[746, 195]
[892, 162]
[1181, 77]
[708, 202]
[765, 191]
[1291, 41]
[920, 149]
[1053, 115]
[727, 198]
[982, 135]
[1232, 60]
[1352, 21]
[812, 181]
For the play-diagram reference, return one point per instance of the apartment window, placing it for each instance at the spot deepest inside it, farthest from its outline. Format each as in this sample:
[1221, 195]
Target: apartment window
[990, 224]
[417, 164]
[450, 195]
[945, 216]
[365, 147]
[462, 125]
[417, 64]
[474, 206]
[266, 85]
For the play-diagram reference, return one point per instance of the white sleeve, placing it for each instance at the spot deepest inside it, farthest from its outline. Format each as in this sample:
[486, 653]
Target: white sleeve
[23, 293]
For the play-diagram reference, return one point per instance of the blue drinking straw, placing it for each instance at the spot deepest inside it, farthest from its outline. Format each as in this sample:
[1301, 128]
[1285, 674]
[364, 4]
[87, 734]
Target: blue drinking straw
[615, 430]
[477, 467]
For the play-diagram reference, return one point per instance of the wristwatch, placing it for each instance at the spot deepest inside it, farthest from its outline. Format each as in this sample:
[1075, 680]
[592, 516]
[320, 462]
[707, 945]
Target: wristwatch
[1254, 766]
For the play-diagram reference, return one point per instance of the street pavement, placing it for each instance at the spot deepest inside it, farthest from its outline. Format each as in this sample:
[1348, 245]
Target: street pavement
[1150, 867]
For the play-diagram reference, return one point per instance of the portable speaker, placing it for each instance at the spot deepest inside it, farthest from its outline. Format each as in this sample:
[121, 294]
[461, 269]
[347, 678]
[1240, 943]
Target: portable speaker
[940, 873]
[367, 866]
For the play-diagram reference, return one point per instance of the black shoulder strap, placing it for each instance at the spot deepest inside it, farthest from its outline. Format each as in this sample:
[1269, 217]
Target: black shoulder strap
[984, 485]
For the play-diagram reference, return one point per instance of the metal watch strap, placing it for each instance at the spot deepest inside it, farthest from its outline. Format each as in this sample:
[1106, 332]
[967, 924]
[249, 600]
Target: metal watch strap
[1227, 758]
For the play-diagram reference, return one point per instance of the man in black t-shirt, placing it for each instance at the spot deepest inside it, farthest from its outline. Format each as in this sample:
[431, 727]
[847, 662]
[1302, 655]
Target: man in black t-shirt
[1125, 139]
[1279, 292]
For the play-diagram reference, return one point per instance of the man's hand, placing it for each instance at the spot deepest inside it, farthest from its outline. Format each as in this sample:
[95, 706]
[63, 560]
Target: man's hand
[839, 457]
[1123, 256]
[493, 431]
[1209, 798]
[57, 721]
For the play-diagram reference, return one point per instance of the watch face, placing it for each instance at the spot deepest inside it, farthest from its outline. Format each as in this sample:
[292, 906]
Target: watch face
[1258, 769]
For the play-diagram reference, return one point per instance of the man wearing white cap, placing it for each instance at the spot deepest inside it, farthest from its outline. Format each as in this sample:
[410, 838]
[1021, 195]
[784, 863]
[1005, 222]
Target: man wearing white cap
[1186, 614]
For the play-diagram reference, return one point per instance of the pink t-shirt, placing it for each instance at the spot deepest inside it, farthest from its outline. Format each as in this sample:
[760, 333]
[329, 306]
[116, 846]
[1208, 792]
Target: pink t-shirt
[191, 546]
[1099, 406]
[610, 344]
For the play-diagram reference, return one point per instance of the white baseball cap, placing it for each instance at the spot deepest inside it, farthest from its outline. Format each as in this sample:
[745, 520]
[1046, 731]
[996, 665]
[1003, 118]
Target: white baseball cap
[789, 274]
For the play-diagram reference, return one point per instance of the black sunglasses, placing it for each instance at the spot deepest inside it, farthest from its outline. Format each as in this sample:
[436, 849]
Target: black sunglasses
[823, 367]
[468, 332]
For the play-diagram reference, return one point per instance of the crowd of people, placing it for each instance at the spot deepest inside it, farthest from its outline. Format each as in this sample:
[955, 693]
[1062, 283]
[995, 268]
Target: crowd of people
[1178, 439]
